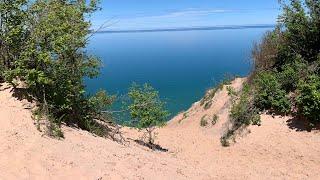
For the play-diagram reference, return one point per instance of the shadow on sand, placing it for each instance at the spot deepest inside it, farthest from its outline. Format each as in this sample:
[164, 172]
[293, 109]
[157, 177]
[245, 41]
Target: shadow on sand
[300, 124]
[22, 94]
[152, 146]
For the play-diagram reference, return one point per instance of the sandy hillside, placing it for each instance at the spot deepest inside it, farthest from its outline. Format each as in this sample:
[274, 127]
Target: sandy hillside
[280, 148]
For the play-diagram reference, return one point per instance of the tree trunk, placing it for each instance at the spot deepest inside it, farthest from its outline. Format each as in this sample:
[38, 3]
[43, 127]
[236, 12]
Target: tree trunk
[150, 141]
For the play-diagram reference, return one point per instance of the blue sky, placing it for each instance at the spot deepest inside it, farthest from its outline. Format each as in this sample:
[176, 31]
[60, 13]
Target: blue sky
[155, 14]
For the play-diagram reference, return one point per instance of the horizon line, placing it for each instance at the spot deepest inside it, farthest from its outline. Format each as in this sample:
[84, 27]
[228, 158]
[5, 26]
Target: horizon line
[204, 28]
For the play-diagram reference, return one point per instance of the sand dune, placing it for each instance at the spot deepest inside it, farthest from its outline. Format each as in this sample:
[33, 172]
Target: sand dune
[279, 149]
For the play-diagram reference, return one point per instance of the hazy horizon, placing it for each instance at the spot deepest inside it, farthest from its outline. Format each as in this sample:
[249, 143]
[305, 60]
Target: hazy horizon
[222, 27]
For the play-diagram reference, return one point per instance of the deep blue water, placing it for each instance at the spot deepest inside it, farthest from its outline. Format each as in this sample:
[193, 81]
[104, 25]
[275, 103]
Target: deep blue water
[180, 65]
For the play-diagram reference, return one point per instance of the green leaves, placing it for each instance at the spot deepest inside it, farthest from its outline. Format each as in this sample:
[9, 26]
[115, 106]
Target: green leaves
[243, 113]
[269, 94]
[302, 30]
[291, 73]
[294, 69]
[35, 77]
[146, 108]
[43, 45]
[101, 101]
[13, 16]
[309, 98]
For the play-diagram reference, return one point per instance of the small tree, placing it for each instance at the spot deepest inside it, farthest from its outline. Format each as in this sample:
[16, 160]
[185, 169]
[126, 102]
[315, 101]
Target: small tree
[13, 33]
[42, 44]
[309, 99]
[146, 109]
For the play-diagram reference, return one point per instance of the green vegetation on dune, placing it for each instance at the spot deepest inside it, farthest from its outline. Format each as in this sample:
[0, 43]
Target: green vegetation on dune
[242, 113]
[285, 79]
[146, 109]
[42, 46]
[290, 79]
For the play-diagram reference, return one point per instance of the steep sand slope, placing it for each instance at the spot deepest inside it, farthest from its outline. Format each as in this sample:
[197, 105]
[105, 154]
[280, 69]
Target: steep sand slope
[279, 149]
[26, 154]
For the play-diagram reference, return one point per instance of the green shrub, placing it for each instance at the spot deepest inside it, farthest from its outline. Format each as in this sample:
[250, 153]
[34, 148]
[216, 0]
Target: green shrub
[242, 113]
[146, 109]
[54, 128]
[204, 121]
[291, 73]
[208, 105]
[215, 119]
[13, 32]
[289, 78]
[225, 139]
[231, 91]
[317, 65]
[208, 97]
[45, 42]
[184, 116]
[309, 98]
[300, 22]
[285, 59]
[269, 95]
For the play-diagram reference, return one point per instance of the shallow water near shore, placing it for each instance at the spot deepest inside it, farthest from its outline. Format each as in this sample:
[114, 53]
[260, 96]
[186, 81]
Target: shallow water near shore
[180, 65]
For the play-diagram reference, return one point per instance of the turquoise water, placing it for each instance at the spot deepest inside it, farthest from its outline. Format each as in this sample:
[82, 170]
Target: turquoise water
[180, 65]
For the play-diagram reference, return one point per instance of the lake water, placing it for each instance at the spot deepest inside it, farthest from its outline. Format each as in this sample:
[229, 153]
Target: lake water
[180, 65]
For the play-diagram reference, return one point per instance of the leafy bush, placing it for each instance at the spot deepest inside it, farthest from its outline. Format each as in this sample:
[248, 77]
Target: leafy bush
[215, 119]
[225, 139]
[184, 116]
[291, 73]
[309, 98]
[13, 18]
[287, 56]
[146, 109]
[204, 121]
[301, 29]
[54, 127]
[269, 94]
[231, 91]
[42, 44]
[208, 105]
[207, 99]
[242, 113]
